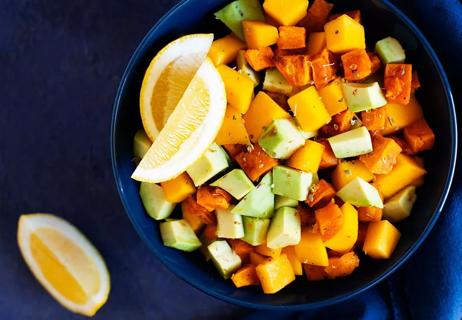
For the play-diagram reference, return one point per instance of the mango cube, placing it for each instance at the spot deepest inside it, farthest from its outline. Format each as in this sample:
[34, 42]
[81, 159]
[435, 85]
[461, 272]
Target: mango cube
[296, 264]
[347, 171]
[178, 189]
[211, 163]
[311, 249]
[239, 88]
[308, 157]
[225, 50]
[344, 34]
[232, 130]
[264, 250]
[309, 110]
[286, 13]
[332, 97]
[259, 34]
[381, 239]
[281, 138]
[316, 42]
[346, 237]
[400, 116]
[275, 274]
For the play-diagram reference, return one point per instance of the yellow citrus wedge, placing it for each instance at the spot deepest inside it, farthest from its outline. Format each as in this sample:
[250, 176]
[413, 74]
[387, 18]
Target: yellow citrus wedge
[190, 129]
[64, 262]
[167, 78]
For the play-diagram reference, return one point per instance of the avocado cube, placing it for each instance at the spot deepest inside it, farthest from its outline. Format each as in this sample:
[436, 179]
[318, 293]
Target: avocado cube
[259, 202]
[285, 229]
[234, 13]
[363, 96]
[224, 258]
[211, 163]
[229, 225]
[275, 82]
[255, 230]
[400, 205]
[235, 183]
[178, 234]
[243, 67]
[281, 201]
[390, 50]
[360, 193]
[141, 144]
[154, 201]
[281, 139]
[351, 143]
[291, 183]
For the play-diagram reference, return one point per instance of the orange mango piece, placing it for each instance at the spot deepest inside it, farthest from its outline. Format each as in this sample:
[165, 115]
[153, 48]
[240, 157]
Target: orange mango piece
[381, 239]
[332, 97]
[296, 264]
[344, 34]
[225, 50]
[286, 13]
[311, 249]
[178, 189]
[347, 171]
[239, 88]
[233, 129]
[399, 116]
[245, 276]
[316, 42]
[275, 274]
[308, 157]
[309, 110]
[259, 34]
[264, 250]
[345, 238]
[256, 258]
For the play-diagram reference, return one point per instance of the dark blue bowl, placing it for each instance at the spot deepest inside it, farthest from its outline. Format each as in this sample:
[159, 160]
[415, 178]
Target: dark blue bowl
[381, 19]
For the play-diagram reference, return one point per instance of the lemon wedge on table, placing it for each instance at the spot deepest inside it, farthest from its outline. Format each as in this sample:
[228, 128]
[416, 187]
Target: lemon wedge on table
[64, 262]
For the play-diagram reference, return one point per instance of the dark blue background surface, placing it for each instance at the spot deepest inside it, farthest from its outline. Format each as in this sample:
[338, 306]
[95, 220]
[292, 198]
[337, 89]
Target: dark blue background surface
[60, 62]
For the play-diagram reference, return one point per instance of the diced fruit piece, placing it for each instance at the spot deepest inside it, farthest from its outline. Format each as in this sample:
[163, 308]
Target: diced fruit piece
[259, 34]
[309, 110]
[243, 67]
[314, 273]
[178, 234]
[286, 13]
[320, 193]
[307, 217]
[294, 68]
[346, 171]
[403, 174]
[347, 235]
[263, 249]
[239, 88]
[235, 182]
[354, 14]
[255, 230]
[328, 158]
[390, 50]
[275, 274]
[141, 144]
[156, 204]
[344, 34]
[374, 120]
[370, 214]
[259, 202]
[281, 138]
[329, 220]
[362, 230]
[361, 194]
[234, 149]
[415, 84]
[398, 83]
[255, 162]
[225, 50]
[323, 67]
[400, 116]
[260, 59]
[241, 248]
[342, 266]
[316, 42]
[224, 259]
[232, 130]
[363, 96]
[375, 62]
[317, 15]
[381, 239]
[351, 143]
[291, 37]
[190, 207]
[311, 249]
[308, 157]
[291, 183]
[383, 158]
[192, 218]
[256, 259]
[245, 276]
[234, 13]
[296, 264]
[419, 136]
[212, 162]
[263, 110]
[308, 134]
[400, 205]
[332, 97]
[178, 189]
[275, 82]
[281, 201]
[285, 229]
[341, 122]
[229, 225]
[356, 65]
[213, 198]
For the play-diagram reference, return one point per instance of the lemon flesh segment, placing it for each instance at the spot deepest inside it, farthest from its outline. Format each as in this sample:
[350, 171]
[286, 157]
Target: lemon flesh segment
[64, 262]
[190, 129]
[167, 78]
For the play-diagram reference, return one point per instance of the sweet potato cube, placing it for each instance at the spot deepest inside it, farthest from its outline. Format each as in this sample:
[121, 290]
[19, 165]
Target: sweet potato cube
[309, 110]
[332, 96]
[381, 239]
[398, 82]
[374, 120]
[340, 123]
[260, 59]
[225, 50]
[328, 157]
[346, 171]
[324, 68]
[342, 266]
[295, 68]
[239, 88]
[232, 130]
[190, 207]
[375, 62]
[314, 273]
[245, 276]
[259, 34]
[212, 198]
[255, 162]
[307, 217]
[316, 42]
[383, 157]
[320, 193]
[291, 37]
[400, 116]
[178, 189]
[419, 136]
[308, 157]
[317, 15]
[234, 149]
[284, 12]
[369, 214]
[241, 248]
[329, 220]
[356, 65]
[275, 274]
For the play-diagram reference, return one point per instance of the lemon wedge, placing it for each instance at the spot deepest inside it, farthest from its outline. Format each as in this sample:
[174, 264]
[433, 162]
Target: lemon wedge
[64, 262]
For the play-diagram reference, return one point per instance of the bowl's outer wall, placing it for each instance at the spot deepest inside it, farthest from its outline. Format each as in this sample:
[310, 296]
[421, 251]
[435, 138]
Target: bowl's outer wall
[197, 16]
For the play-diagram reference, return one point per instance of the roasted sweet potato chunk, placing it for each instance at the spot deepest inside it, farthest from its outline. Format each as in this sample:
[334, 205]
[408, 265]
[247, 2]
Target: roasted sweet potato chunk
[255, 162]
[260, 59]
[374, 120]
[329, 220]
[212, 198]
[320, 193]
[317, 16]
[241, 248]
[291, 37]
[383, 157]
[328, 158]
[369, 214]
[342, 266]
[419, 136]
[324, 68]
[356, 65]
[398, 82]
[190, 204]
[295, 68]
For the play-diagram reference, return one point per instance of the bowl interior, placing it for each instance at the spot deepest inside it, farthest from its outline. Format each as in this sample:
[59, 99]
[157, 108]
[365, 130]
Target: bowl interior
[380, 21]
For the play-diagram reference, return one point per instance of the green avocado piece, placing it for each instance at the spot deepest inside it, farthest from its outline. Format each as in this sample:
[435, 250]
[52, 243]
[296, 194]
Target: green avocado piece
[243, 67]
[291, 183]
[211, 163]
[281, 201]
[360, 193]
[229, 225]
[259, 202]
[285, 229]
[153, 198]
[363, 96]
[390, 51]
[281, 139]
[275, 82]
[400, 205]
[351, 143]
[224, 258]
[141, 144]
[235, 183]
[237, 11]
[178, 234]
[255, 230]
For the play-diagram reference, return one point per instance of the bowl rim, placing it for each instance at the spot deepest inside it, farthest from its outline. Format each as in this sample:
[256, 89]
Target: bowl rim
[345, 296]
